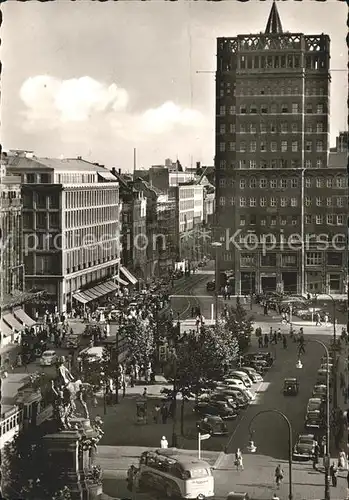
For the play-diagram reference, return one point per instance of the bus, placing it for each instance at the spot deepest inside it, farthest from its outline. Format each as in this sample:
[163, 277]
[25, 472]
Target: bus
[175, 474]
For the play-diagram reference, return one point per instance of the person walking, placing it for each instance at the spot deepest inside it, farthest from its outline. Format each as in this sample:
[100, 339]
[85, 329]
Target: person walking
[260, 342]
[238, 460]
[163, 442]
[279, 475]
[145, 393]
[284, 341]
[317, 319]
[342, 460]
[334, 475]
[266, 340]
[316, 457]
[326, 318]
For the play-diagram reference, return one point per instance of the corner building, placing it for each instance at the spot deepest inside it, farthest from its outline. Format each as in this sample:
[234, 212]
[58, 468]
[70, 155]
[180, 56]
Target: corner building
[272, 133]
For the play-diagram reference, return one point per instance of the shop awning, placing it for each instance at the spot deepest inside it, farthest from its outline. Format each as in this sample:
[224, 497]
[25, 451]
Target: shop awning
[110, 285]
[23, 317]
[13, 322]
[100, 290]
[104, 289]
[121, 281]
[4, 329]
[80, 297]
[128, 275]
[107, 176]
[90, 294]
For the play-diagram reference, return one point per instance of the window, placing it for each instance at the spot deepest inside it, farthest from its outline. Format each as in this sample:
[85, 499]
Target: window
[263, 222]
[243, 109]
[253, 146]
[309, 128]
[221, 93]
[253, 183]
[283, 146]
[294, 146]
[319, 146]
[252, 202]
[319, 182]
[253, 108]
[232, 200]
[242, 202]
[242, 163]
[263, 183]
[334, 259]
[242, 128]
[273, 146]
[40, 200]
[319, 128]
[27, 220]
[247, 260]
[294, 128]
[242, 183]
[262, 201]
[54, 220]
[318, 163]
[242, 220]
[318, 202]
[222, 200]
[273, 108]
[308, 219]
[284, 127]
[232, 146]
[283, 183]
[243, 147]
[293, 202]
[53, 201]
[253, 128]
[232, 110]
[232, 128]
[329, 201]
[341, 182]
[294, 182]
[222, 164]
[264, 109]
[340, 220]
[273, 220]
[222, 128]
[294, 107]
[273, 201]
[309, 109]
[222, 147]
[313, 258]
[263, 146]
[273, 183]
[263, 164]
[289, 260]
[31, 179]
[263, 128]
[329, 219]
[319, 219]
[308, 146]
[222, 110]
[320, 109]
[307, 163]
[294, 220]
[307, 182]
[253, 164]
[221, 182]
[41, 218]
[268, 260]
[307, 201]
[284, 108]
[283, 221]
[283, 201]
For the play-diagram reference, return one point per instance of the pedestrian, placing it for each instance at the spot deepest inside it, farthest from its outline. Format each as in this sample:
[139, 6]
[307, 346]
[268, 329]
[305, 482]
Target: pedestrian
[275, 340]
[284, 341]
[279, 475]
[334, 475]
[238, 460]
[279, 333]
[316, 457]
[342, 460]
[266, 340]
[123, 387]
[145, 393]
[317, 319]
[157, 414]
[163, 442]
[260, 342]
[326, 318]
[164, 413]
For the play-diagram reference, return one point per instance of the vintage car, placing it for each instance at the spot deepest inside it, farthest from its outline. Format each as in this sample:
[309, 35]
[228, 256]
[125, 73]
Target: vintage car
[291, 387]
[215, 408]
[213, 425]
[320, 391]
[304, 449]
[313, 419]
[251, 372]
[315, 404]
[72, 341]
[211, 286]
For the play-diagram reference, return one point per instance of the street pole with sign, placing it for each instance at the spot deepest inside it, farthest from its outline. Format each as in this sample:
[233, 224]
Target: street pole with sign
[201, 437]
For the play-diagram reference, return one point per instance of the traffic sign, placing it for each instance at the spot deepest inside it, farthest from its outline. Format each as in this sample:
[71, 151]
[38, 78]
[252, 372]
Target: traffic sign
[203, 437]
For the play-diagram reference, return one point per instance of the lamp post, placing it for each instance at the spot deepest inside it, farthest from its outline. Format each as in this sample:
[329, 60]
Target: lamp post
[174, 407]
[253, 448]
[327, 457]
[216, 245]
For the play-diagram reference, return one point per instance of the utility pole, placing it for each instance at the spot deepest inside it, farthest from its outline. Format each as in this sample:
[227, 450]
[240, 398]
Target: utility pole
[117, 366]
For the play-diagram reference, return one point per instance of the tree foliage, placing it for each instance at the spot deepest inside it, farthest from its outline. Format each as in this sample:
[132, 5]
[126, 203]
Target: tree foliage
[239, 325]
[139, 336]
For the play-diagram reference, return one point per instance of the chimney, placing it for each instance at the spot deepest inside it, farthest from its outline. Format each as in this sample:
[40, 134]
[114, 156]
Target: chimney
[79, 157]
[113, 171]
[119, 171]
[198, 164]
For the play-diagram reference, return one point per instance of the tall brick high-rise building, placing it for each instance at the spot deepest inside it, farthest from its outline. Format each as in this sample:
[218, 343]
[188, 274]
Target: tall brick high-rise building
[273, 176]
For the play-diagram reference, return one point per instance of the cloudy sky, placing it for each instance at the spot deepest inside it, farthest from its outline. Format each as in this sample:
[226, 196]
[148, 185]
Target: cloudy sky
[98, 79]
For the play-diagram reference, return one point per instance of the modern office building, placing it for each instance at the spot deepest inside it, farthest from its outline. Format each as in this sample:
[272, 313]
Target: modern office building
[70, 228]
[273, 174]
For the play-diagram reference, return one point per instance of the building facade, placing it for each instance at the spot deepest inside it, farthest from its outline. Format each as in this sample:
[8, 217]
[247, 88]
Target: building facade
[272, 143]
[70, 228]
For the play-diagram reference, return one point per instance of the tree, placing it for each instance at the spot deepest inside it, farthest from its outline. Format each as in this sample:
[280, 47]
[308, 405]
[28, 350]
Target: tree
[139, 335]
[240, 325]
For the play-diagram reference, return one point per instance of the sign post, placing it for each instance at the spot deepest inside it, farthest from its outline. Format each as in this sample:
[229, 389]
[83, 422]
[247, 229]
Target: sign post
[201, 437]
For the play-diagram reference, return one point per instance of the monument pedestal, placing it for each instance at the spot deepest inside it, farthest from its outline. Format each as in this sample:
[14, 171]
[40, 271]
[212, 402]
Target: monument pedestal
[71, 454]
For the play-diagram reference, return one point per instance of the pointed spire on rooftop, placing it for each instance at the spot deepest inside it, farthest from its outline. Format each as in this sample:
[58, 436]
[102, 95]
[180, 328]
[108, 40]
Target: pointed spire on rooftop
[274, 24]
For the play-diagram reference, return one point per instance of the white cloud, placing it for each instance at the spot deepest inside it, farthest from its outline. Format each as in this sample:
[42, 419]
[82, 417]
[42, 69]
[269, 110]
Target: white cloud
[83, 106]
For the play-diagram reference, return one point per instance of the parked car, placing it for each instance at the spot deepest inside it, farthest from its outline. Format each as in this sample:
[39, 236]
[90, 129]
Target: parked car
[324, 366]
[314, 404]
[252, 373]
[232, 382]
[291, 387]
[320, 391]
[241, 398]
[261, 366]
[242, 376]
[313, 420]
[230, 401]
[304, 449]
[213, 425]
[72, 341]
[216, 408]
[48, 358]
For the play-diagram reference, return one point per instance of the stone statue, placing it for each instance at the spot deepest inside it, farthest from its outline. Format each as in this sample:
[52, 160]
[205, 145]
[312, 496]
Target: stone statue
[67, 391]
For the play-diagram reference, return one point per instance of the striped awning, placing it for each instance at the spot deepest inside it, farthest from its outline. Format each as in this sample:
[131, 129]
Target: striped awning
[23, 317]
[95, 292]
[81, 297]
[13, 322]
[121, 281]
[5, 329]
[128, 275]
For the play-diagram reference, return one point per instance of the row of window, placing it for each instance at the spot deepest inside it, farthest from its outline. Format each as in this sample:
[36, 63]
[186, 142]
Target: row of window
[294, 182]
[273, 146]
[283, 220]
[272, 108]
[42, 220]
[91, 198]
[312, 258]
[229, 89]
[272, 127]
[339, 201]
[275, 163]
[41, 200]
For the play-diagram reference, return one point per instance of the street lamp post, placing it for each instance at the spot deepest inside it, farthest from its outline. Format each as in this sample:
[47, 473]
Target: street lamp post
[216, 245]
[327, 457]
[290, 446]
[174, 406]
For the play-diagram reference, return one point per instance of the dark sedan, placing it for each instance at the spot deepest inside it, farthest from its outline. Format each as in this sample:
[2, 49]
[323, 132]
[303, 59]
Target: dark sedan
[215, 408]
[213, 425]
